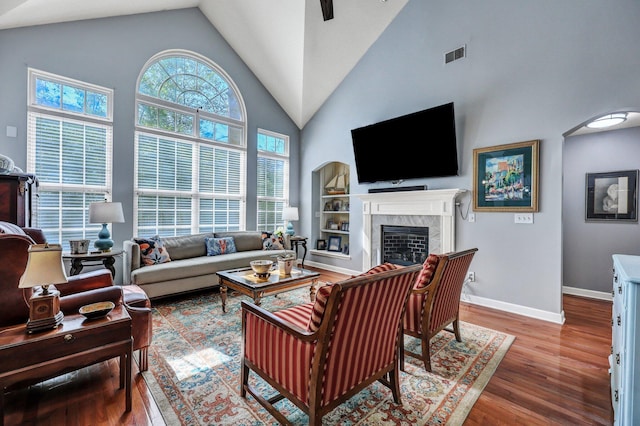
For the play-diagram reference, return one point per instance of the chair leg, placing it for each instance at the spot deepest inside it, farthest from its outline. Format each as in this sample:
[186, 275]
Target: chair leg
[244, 378]
[143, 357]
[394, 381]
[401, 352]
[426, 353]
[456, 329]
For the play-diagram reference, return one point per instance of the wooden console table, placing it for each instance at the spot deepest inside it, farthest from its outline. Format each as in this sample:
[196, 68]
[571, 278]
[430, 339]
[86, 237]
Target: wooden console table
[76, 343]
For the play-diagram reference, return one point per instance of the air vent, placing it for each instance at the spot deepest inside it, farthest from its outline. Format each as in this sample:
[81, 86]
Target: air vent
[454, 55]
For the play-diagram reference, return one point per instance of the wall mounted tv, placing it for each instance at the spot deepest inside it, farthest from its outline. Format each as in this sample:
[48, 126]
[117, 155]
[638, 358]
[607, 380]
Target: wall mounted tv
[412, 146]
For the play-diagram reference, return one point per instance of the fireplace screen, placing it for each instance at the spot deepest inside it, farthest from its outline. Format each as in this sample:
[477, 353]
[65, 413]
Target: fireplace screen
[404, 245]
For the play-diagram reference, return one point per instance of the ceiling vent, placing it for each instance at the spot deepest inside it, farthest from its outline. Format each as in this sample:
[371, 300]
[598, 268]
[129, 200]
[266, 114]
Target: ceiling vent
[456, 54]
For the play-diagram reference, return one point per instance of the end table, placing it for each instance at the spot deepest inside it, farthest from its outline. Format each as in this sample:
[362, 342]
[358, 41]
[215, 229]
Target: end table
[299, 241]
[107, 258]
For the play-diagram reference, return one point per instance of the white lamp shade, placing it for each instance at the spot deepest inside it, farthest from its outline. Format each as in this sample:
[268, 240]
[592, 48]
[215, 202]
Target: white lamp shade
[44, 266]
[290, 213]
[106, 212]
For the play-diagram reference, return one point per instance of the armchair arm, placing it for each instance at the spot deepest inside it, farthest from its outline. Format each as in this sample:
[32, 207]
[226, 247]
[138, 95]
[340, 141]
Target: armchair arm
[86, 281]
[270, 318]
[71, 303]
[130, 260]
[142, 332]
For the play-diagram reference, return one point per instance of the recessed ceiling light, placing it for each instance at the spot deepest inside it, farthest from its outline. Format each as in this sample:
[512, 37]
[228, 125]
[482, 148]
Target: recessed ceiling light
[608, 120]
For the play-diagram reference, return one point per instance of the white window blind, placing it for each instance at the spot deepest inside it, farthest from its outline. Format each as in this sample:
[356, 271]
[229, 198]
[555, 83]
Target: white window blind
[190, 162]
[69, 149]
[273, 179]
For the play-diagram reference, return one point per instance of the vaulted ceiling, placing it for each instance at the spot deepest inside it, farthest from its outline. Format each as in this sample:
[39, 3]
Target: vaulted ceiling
[297, 55]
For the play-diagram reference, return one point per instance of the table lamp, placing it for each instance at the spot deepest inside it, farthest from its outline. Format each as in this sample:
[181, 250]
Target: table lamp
[104, 213]
[290, 214]
[44, 268]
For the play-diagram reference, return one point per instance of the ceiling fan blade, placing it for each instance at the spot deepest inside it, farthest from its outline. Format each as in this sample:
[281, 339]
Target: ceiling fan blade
[327, 9]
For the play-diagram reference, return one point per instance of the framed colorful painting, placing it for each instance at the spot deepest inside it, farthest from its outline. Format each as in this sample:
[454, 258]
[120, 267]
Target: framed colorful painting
[612, 196]
[505, 177]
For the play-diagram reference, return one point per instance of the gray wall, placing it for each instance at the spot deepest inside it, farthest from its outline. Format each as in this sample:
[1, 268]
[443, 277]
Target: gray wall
[588, 246]
[111, 52]
[534, 71]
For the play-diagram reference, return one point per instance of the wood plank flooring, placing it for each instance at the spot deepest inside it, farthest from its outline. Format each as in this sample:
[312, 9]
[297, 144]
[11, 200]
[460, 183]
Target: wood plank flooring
[552, 375]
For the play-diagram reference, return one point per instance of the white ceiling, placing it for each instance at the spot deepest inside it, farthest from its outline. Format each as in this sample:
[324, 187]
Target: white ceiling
[296, 55]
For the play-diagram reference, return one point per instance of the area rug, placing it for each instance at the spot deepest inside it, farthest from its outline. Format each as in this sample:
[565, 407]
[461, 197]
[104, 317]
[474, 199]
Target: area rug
[194, 371]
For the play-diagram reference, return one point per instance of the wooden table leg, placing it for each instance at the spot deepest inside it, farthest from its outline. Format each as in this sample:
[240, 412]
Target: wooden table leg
[223, 296]
[108, 263]
[128, 376]
[76, 267]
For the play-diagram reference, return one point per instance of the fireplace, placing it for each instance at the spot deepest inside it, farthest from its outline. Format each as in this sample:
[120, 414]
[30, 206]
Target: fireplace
[404, 245]
[433, 209]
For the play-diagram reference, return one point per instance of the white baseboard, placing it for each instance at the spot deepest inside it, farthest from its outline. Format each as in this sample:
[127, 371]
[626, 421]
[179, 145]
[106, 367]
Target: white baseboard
[514, 309]
[496, 304]
[592, 294]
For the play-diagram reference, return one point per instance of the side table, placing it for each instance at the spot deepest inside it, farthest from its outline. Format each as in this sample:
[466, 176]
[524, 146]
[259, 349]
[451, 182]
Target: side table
[107, 258]
[74, 344]
[299, 241]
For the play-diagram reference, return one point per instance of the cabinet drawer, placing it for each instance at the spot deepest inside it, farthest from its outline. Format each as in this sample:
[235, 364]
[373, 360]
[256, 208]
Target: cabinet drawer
[60, 343]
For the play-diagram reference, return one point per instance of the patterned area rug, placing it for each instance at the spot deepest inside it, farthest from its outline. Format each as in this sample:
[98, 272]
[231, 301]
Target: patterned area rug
[194, 371]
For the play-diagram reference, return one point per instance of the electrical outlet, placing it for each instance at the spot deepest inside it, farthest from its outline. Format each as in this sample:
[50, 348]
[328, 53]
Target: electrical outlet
[471, 276]
[472, 217]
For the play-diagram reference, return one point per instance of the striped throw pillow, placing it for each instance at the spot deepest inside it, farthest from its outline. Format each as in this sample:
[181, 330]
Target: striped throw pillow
[322, 296]
[428, 268]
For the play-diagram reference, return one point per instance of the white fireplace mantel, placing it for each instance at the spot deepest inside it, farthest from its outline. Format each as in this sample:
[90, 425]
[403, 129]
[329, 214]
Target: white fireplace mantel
[437, 202]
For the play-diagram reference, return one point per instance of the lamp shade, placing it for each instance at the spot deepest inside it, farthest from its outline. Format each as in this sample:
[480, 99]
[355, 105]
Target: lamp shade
[106, 212]
[290, 213]
[44, 266]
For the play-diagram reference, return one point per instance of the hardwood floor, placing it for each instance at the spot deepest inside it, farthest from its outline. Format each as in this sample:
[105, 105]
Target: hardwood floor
[552, 375]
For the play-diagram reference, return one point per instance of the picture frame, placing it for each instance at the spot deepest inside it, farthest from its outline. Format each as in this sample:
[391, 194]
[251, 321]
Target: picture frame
[344, 226]
[321, 244]
[612, 196]
[505, 177]
[337, 205]
[328, 206]
[335, 244]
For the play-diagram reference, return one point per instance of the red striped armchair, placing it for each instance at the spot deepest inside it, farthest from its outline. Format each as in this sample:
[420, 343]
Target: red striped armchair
[434, 302]
[318, 355]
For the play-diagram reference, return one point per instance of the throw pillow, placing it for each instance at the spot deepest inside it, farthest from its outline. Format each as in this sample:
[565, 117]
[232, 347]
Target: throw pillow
[272, 243]
[152, 251]
[322, 296]
[218, 246]
[428, 268]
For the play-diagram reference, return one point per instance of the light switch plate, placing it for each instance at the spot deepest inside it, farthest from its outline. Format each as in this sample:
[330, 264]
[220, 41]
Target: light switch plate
[523, 218]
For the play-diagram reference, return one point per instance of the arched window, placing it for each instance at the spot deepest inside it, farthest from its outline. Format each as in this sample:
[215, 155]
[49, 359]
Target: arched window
[190, 157]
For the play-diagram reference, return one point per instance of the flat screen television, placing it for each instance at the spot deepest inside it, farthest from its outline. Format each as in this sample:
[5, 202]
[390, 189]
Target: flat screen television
[412, 146]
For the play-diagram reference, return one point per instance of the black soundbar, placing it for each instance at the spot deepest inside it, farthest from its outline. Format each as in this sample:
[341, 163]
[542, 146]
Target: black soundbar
[398, 188]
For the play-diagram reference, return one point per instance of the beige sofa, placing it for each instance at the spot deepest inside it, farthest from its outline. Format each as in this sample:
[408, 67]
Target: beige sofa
[190, 268]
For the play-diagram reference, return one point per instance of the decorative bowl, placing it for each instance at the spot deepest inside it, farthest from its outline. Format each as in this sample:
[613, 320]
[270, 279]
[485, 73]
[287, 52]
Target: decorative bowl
[97, 310]
[261, 267]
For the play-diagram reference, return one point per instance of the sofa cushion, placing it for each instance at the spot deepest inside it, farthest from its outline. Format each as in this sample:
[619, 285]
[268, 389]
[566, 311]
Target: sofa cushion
[244, 240]
[152, 251]
[426, 274]
[187, 246]
[218, 246]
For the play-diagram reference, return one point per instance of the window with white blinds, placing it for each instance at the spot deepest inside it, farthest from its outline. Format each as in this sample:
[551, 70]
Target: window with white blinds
[69, 149]
[273, 179]
[190, 160]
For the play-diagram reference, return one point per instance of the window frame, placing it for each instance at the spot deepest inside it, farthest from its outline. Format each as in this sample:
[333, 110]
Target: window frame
[90, 192]
[236, 202]
[278, 202]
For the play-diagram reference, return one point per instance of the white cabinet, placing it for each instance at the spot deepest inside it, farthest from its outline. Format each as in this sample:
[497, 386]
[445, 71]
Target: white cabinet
[624, 360]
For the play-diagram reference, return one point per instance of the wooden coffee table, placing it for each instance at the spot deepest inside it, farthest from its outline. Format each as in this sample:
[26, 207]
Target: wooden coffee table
[246, 282]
